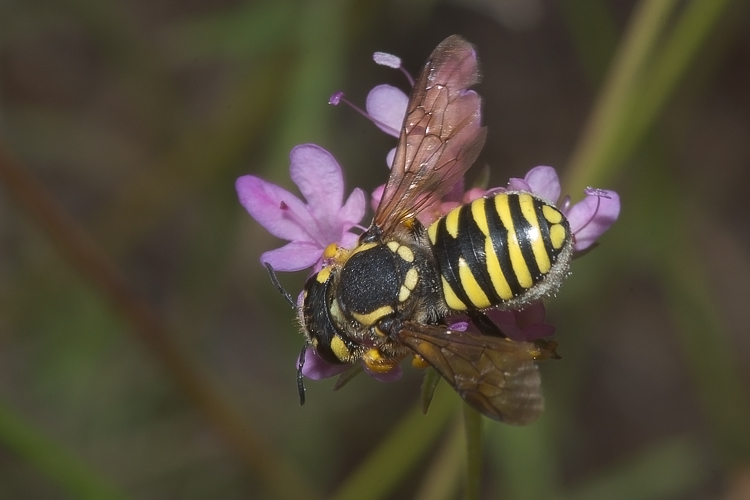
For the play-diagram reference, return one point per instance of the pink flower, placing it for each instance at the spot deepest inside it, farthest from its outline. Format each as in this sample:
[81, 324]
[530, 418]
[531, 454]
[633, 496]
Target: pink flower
[324, 218]
[316, 368]
[589, 218]
[309, 227]
[525, 325]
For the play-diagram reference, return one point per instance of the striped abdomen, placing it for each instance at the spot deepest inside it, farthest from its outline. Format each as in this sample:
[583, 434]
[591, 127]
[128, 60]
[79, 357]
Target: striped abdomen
[507, 250]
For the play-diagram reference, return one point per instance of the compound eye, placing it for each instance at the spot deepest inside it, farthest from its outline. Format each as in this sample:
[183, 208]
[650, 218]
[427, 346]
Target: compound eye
[387, 326]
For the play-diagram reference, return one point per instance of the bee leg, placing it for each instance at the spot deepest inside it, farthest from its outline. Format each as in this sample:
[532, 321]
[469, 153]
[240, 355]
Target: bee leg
[485, 324]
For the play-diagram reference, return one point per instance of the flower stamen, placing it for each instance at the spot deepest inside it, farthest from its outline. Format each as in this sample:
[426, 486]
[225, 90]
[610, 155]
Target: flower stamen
[599, 193]
[338, 97]
[385, 59]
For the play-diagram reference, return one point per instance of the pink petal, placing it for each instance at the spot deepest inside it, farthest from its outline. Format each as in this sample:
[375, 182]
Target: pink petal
[531, 314]
[377, 194]
[387, 105]
[473, 194]
[349, 240]
[591, 217]
[389, 157]
[456, 193]
[264, 200]
[315, 368]
[544, 183]
[293, 256]
[353, 210]
[516, 184]
[318, 176]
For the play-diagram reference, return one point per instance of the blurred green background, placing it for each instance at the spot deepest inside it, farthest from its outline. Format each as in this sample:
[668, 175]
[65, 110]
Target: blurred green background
[144, 353]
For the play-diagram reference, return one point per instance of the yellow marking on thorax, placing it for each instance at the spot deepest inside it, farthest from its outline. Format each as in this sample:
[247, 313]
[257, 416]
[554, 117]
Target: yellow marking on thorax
[471, 286]
[535, 237]
[410, 282]
[339, 348]
[362, 248]
[517, 261]
[451, 298]
[499, 281]
[405, 253]
[371, 318]
[335, 310]
[411, 279]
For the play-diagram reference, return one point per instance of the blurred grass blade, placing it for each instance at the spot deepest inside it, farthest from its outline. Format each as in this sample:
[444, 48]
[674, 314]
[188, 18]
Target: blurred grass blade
[441, 480]
[71, 474]
[699, 325]
[430, 382]
[670, 469]
[642, 78]
[397, 455]
[320, 60]
[84, 255]
[669, 65]
[248, 31]
[593, 28]
[526, 458]
[605, 122]
[473, 429]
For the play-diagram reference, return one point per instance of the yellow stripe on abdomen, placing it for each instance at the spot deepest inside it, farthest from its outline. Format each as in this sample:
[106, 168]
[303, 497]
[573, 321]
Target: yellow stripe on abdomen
[471, 287]
[535, 236]
[499, 282]
[517, 262]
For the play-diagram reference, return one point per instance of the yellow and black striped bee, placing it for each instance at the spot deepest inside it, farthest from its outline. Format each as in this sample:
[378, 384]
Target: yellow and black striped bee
[389, 297]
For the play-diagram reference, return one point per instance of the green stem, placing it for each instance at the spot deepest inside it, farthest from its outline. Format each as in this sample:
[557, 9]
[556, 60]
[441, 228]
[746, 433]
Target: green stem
[473, 428]
[441, 481]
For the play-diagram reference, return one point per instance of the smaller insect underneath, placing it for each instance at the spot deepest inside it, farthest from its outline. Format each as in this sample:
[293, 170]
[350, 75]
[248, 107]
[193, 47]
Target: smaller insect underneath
[392, 295]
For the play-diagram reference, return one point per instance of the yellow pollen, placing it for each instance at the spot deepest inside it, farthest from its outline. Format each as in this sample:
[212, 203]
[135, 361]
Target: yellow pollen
[330, 251]
[323, 275]
[378, 363]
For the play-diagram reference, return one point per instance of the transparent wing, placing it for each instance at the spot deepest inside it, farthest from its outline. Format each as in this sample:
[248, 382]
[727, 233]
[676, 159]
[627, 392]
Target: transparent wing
[441, 135]
[497, 376]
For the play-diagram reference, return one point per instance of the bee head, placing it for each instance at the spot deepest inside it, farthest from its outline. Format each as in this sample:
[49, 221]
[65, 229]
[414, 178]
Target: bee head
[319, 316]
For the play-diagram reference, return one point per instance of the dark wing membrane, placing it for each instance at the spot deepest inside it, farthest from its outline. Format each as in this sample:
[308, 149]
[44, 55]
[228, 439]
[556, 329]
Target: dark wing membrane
[441, 135]
[497, 376]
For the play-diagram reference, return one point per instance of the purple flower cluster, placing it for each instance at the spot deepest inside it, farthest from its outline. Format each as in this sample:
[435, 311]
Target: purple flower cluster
[323, 217]
[308, 226]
